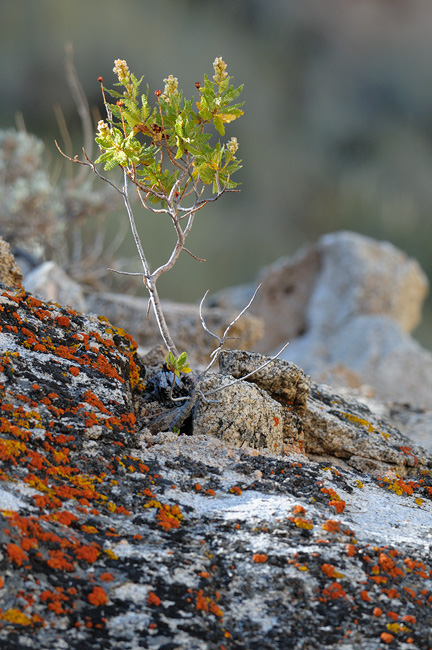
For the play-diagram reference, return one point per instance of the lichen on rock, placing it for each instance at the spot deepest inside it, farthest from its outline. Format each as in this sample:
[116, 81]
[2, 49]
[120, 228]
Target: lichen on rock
[116, 539]
[340, 426]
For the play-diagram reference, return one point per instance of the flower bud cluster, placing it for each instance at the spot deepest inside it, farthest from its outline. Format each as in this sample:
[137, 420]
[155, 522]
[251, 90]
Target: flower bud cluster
[103, 129]
[232, 146]
[121, 70]
[219, 66]
[171, 88]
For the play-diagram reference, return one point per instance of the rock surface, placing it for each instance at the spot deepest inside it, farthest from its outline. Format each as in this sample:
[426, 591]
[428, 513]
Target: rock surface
[346, 305]
[111, 538]
[10, 272]
[360, 275]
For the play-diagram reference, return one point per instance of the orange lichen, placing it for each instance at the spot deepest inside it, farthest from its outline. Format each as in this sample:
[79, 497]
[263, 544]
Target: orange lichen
[364, 595]
[169, 517]
[334, 591]
[377, 612]
[300, 522]
[350, 550]
[63, 321]
[91, 398]
[98, 597]
[399, 485]
[386, 562]
[338, 505]
[331, 526]
[259, 558]
[410, 591]
[87, 553]
[206, 604]
[386, 637]
[106, 577]
[16, 554]
[409, 619]
[330, 571]
[152, 599]
[60, 561]
[33, 302]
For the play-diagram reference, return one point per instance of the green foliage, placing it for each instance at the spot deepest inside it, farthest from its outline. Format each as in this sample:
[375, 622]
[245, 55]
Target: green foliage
[177, 364]
[149, 141]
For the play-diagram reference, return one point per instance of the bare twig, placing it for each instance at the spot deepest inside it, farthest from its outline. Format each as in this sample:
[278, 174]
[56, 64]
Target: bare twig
[198, 259]
[20, 123]
[124, 272]
[233, 322]
[88, 163]
[214, 355]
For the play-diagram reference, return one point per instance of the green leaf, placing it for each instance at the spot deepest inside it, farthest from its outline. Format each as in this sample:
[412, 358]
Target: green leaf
[145, 108]
[218, 124]
[107, 155]
[207, 174]
[111, 164]
[232, 93]
[180, 148]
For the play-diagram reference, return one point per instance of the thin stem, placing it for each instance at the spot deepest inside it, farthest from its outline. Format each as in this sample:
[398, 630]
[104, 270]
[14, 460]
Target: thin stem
[133, 226]
[242, 312]
[149, 279]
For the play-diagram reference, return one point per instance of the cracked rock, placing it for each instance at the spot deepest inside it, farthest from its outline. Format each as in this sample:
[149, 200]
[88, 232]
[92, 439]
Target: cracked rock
[245, 415]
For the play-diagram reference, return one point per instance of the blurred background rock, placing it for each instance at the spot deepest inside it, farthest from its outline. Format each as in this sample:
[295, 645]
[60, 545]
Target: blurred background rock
[337, 132]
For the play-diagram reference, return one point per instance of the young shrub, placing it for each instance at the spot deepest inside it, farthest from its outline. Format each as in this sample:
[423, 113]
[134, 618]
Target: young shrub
[170, 154]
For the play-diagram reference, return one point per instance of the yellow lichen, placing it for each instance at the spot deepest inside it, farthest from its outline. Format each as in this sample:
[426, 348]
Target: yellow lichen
[15, 616]
[356, 420]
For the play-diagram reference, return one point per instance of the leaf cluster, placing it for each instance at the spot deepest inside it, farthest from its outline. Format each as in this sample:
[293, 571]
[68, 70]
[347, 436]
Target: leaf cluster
[173, 142]
[177, 364]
